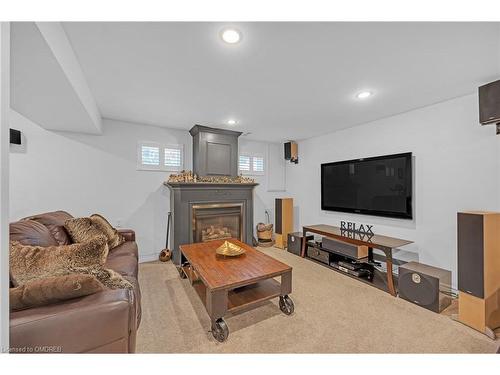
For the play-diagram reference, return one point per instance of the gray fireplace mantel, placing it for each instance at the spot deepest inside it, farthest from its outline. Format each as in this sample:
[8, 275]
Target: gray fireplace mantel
[184, 195]
[215, 151]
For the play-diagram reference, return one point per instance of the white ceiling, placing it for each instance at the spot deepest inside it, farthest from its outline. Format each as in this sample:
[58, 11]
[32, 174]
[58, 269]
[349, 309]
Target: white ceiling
[283, 80]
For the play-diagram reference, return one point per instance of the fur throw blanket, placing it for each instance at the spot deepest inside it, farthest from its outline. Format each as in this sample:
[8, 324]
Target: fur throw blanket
[85, 228]
[28, 263]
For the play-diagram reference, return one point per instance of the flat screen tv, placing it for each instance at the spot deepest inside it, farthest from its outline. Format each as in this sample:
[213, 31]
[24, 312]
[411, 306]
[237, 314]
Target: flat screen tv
[380, 186]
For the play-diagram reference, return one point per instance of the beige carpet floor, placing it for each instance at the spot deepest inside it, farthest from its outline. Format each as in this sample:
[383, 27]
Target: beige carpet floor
[333, 314]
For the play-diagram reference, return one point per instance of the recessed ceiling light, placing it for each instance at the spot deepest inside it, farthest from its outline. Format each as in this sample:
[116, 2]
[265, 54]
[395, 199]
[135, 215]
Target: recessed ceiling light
[364, 95]
[231, 122]
[231, 36]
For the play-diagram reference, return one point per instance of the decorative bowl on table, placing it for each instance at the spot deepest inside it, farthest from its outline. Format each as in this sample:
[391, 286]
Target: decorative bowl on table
[229, 249]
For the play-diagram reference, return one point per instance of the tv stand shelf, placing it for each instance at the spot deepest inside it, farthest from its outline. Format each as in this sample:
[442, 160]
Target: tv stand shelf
[317, 246]
[381, 280]
[378, 278]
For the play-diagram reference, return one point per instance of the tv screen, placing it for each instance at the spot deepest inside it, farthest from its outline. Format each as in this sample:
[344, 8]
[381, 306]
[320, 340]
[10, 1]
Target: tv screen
[380, 186]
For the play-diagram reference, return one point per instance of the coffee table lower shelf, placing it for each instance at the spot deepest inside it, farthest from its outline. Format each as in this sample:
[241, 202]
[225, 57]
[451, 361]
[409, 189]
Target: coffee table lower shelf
[228, 301]
[246, 297]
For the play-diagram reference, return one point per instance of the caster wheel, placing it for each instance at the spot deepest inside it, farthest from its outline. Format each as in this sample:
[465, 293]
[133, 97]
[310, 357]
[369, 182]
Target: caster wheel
[181, 273]
[286, 305]
[220, 332]
[490, 333]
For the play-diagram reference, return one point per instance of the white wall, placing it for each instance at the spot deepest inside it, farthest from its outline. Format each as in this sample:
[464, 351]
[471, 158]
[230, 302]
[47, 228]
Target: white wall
[4, 182]
[456, 167]
[263, 198]
[84, 174]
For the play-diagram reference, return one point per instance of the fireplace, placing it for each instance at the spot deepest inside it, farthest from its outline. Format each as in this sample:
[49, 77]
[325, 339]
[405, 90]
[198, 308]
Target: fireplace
[217, 221]
[209, 211]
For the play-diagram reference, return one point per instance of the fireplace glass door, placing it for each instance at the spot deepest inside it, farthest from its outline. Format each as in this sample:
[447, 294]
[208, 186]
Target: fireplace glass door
[217, 221]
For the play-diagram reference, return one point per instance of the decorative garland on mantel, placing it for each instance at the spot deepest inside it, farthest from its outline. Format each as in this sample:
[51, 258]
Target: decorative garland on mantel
[190, 177]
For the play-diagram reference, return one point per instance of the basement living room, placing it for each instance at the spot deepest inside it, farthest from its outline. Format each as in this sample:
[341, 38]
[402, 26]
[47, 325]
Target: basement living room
[250, 187]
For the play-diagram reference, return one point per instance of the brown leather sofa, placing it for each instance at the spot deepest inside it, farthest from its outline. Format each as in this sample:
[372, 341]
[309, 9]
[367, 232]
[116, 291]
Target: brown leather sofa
[104, 322]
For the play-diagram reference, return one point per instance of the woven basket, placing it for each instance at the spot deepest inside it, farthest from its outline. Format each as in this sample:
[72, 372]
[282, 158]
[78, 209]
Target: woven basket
[265, 235]
[266, 243]
[264, 231]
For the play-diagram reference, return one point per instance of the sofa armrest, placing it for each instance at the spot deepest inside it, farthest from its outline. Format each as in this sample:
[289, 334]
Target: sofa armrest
[128, 234]
[103, 322]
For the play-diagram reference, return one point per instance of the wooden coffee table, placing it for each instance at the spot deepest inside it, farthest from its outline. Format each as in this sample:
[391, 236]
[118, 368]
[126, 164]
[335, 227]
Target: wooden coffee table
[232, 284]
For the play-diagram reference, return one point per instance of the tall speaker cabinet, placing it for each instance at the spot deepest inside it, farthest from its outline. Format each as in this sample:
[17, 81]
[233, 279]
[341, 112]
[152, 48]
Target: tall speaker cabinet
[283, 222]
[479, 270]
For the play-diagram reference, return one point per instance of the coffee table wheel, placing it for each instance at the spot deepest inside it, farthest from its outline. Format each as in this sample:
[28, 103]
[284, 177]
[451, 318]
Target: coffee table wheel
[220, 331]
[286, 305]
[182, 274]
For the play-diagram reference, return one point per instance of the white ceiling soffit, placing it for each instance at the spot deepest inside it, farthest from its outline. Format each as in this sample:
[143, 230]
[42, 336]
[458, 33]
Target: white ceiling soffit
[47, 82]
[283, 80]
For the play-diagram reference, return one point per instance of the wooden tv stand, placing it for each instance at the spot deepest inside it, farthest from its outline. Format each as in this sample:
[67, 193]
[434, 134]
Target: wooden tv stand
[375, 241]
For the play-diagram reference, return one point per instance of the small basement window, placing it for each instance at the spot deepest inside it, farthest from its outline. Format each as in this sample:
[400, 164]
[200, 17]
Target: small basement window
[153, 156]
[251, 164]
[245, 164]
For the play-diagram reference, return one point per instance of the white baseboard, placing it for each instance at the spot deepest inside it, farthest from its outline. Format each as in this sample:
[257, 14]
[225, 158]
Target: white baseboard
[143, 258]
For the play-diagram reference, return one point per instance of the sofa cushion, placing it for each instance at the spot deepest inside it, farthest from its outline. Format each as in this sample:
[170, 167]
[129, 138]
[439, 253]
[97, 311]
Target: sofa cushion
[41, 292]
[54, 221]
[114, 237]
[126, 248]
[128, 234]
[81, 229]
[31, 232]
[33, 262]
[84, 228]
[125, 265]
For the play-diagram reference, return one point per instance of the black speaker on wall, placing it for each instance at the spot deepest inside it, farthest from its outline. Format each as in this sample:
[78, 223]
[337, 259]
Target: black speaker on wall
[15, 137]
[425, 285]
[291, 152]
[489, 103]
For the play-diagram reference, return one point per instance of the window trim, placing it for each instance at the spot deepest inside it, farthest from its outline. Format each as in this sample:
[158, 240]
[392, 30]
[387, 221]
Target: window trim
[161, 147]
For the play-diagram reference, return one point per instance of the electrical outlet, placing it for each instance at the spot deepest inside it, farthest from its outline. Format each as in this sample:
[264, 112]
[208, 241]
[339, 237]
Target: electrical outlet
[267, 212]
[119, 223]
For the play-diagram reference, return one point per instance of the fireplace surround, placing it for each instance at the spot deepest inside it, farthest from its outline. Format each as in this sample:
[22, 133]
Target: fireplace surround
[223, 200]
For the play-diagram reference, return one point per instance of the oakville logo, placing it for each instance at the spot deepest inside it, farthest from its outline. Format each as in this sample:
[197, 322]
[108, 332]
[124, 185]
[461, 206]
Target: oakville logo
[353, 227]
